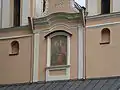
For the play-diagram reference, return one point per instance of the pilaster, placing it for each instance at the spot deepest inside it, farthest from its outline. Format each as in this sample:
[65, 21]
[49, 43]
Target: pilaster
[36, 56]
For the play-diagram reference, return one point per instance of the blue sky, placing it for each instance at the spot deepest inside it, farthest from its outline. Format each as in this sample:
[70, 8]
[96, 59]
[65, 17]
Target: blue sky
[81, 2]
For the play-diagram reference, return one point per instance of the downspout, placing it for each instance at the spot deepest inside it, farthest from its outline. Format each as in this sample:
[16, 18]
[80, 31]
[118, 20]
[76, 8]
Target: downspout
[85, 49]
[82, 60]
[84, 43]
[31, 27]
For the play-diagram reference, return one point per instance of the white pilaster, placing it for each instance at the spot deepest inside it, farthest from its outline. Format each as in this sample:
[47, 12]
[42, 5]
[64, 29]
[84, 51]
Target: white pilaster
[80, 52]
[116, 5]
[25, 11]
[36, 56]
[68, 57]
[92, 7]
[5, 13]
[39, 7]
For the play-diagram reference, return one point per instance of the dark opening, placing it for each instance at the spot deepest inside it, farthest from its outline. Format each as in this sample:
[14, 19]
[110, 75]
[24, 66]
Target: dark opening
[44, 5]
[105, 6]
[14, 48]
[105, 36]
[16, 12]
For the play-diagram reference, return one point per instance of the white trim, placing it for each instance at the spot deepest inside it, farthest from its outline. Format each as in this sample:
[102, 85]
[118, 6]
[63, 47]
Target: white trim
[61, 77]
[36, 56]
[68, 57]
[6, 13]
[21, 36]
[25, 12]
[48, 50]
[110, 15]
[80, 52]
[48, 56]
[105, 24]
[68, 50]
[55, 78]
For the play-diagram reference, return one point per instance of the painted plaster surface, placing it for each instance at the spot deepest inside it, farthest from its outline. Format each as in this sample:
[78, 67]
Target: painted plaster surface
[102, 60]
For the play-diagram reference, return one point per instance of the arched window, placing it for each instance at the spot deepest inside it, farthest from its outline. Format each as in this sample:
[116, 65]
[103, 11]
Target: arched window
[105, 36]
[58, 55]
[14, 48]
[105, 6]
[58, 48]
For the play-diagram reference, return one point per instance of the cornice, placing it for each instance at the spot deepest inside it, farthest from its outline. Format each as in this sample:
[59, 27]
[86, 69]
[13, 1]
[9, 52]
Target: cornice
[57, 16]
[26, 27]
[101, 16]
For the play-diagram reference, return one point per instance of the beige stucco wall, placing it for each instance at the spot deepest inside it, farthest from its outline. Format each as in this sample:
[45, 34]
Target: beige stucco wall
[58, 25]
[60, 6]
[15, 69]
[102, 60]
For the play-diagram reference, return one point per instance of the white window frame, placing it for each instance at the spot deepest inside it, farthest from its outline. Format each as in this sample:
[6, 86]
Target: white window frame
[57, 67]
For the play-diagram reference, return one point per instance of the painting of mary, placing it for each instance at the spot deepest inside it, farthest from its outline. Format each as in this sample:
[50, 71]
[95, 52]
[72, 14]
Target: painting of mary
[59, 50]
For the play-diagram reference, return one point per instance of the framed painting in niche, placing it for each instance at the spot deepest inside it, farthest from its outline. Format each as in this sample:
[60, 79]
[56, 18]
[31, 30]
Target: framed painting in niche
[59, 50]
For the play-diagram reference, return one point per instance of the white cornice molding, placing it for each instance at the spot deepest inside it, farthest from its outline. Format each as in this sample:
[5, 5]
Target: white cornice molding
[54, 27]
[114, 14]
[104, 24]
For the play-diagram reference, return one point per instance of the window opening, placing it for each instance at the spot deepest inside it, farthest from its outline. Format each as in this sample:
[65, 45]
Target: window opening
[16, 13]
[105, 6]
[14, 48]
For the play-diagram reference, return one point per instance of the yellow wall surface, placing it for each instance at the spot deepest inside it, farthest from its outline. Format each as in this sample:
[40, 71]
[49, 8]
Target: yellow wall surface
[68, 27]
[102, 59]
[15, 68]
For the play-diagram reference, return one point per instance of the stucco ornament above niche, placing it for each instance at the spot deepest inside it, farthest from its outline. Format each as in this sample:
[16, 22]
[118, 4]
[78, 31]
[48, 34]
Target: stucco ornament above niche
[60, 3]
[60, 6]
